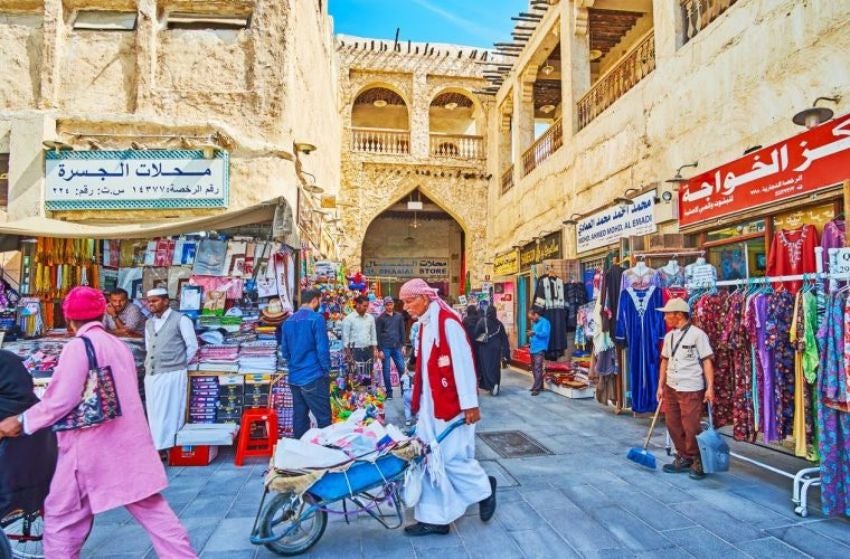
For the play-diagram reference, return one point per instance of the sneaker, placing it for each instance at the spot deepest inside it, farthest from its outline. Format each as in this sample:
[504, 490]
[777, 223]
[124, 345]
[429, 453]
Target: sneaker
[389, 397]
[487, 507]
[495, 391]
[535, 392]
[424, 529]
[696, 471]
[679, 466]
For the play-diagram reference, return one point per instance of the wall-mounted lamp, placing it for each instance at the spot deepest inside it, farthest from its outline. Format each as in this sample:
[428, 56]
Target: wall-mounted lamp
[546, 109]
[678, 179]
[450, 106]
[572, 220]
[380, 103]
[548, 69]
[631, 192]
[57, 145]
[313, 188]
[815, 115]
[304, 147]
[623, 201]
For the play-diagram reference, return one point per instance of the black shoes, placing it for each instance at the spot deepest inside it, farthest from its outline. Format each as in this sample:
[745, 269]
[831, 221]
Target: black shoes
[696, 471]
[423, 529]
[487, 507]
[679, 466]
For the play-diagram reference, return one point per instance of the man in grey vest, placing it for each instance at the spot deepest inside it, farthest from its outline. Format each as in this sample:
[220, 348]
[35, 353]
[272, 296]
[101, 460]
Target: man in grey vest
[171, 343]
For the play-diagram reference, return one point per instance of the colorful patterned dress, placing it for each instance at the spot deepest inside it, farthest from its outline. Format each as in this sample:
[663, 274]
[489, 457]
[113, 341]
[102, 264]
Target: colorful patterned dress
[736, 340]
[780, 312]
[708, 314]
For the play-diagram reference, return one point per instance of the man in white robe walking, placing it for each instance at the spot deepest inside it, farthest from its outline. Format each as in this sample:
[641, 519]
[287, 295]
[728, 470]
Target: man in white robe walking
[171, 344]
[445, 390]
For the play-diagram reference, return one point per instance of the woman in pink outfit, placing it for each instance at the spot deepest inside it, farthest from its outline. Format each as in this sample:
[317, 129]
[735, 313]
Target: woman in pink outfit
[106, 466]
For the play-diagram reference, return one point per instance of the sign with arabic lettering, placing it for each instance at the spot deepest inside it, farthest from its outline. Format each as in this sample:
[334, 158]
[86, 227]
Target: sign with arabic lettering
[425, 267]
[610, 225]
[549, 248]
[150, 179]
[817, 158]
[506, 264]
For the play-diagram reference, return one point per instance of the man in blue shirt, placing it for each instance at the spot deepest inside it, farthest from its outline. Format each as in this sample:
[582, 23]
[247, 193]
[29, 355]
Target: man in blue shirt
[538, 344]
[304, 344]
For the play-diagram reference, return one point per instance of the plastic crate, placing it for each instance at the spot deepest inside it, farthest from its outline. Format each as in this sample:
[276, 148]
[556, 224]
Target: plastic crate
[198, 455]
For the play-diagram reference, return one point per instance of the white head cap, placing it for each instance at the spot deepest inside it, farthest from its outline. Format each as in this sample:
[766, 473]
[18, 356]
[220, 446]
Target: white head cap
[158, 292]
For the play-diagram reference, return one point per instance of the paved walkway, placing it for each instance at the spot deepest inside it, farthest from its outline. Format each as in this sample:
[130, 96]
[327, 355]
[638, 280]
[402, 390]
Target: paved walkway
[585, 500]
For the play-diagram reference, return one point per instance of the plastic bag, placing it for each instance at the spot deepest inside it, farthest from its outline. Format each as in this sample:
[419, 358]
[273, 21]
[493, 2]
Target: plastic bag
[294, 454]
[413, 480]
[713, 450]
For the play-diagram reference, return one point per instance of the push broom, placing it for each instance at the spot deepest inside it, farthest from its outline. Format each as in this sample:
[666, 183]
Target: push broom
[641, 455]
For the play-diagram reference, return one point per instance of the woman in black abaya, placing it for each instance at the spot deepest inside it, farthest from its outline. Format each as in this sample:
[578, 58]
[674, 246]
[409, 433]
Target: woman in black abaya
[492, 351]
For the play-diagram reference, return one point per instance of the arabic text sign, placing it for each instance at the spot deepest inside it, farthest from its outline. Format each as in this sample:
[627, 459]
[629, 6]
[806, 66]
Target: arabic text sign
[506, 264]
[610, 225]
[549, 248]
[815, 159]
[426, 267]
[135, 179]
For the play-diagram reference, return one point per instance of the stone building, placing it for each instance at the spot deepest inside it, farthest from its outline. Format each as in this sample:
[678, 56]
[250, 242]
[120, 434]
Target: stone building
[250, 79]
[414, 172]
[608, 100]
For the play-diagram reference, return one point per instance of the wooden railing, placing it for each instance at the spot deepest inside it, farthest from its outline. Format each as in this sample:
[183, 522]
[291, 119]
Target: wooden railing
[380, 140]
[457, 146]
[699, 13]
[614, 83]
[546, 145]
[508, 179]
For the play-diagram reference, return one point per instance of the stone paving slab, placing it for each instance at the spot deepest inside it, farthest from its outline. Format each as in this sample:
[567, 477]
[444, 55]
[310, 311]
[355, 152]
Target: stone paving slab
[586, 500]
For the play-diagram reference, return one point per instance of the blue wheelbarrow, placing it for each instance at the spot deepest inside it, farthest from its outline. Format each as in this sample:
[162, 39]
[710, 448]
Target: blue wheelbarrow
[289, 524]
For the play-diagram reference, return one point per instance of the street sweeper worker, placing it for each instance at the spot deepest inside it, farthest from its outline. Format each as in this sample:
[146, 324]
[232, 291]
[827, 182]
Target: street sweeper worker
[445, 389]
[686, 382]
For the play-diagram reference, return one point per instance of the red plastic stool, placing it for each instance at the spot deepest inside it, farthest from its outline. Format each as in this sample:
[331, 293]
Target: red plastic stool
[252, 445]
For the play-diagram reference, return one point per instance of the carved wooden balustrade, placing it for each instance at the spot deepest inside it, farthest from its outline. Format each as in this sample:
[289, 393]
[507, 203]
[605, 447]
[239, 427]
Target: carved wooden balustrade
[613, 84]
[546, 145]
[380, 140]
[457, 146]
[699, 13]
[508, 179]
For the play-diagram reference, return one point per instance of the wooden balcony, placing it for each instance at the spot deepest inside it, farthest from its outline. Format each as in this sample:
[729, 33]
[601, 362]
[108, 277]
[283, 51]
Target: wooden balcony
[613, 84]
[457, 146]
[508, 179]
[546, 145]
[698, 14]
[380, 140]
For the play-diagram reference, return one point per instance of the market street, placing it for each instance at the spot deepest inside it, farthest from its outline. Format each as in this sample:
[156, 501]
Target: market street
[585, 500]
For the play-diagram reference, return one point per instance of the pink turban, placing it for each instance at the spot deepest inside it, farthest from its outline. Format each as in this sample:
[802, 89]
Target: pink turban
[416, 287]
[84, 303]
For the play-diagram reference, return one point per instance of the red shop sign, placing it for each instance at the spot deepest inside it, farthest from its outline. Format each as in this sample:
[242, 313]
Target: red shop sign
[815, 159]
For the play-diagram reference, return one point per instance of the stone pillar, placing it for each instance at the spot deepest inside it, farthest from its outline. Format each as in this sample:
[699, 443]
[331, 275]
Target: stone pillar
[668, 22]
[54, 33]
[146, 51]
[419, 117]
[26, 164]
[575, 64]
[523, 118]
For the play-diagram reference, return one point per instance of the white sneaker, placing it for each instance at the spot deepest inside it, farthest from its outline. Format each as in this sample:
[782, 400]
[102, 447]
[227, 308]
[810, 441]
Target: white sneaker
[495, 391]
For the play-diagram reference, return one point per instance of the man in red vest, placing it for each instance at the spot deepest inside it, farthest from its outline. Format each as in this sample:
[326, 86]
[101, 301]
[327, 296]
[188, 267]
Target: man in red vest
[445, 390]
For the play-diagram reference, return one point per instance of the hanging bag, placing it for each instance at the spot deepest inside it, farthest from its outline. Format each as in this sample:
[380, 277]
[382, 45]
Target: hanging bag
[99, 402]
[713, 450]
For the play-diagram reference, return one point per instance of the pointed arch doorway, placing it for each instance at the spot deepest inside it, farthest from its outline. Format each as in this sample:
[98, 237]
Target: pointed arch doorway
[415, 237]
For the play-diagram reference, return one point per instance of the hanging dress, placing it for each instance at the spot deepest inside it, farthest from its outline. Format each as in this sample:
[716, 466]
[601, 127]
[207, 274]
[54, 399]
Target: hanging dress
[736, 339]
[641, 327]
[780, 312]
[708, 315]
[792, 252]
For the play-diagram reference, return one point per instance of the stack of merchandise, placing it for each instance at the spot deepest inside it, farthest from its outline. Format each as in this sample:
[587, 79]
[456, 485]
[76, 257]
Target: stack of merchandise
[282, 404]
[219, 358]
[231, 392]
[258, 357]
[266, 333]
[203, 399]
[40, 357]
[257, 390]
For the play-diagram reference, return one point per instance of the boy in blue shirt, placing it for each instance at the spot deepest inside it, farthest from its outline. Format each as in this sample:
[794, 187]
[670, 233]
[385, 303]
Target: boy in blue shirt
[538, 344]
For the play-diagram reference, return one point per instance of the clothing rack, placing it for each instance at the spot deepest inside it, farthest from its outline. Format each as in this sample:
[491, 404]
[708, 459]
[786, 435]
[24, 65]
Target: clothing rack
[682, 253]
[809, 477]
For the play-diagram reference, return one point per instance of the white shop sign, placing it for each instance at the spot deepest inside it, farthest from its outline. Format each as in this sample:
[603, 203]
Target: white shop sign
[839, 261]
[82, 180]
[610, 225]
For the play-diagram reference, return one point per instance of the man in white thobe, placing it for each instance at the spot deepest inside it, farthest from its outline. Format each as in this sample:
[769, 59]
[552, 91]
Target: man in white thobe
[446, 391]
[171, 344]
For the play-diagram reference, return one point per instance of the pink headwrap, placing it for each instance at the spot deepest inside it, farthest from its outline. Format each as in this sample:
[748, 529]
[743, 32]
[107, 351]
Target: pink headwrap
[418, 286]
[83, 303]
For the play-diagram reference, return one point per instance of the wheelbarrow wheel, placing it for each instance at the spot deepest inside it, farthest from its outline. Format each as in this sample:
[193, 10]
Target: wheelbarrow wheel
[284, 517]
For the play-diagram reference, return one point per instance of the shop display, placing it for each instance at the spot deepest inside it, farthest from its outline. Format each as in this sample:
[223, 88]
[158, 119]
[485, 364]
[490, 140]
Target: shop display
[792, 252]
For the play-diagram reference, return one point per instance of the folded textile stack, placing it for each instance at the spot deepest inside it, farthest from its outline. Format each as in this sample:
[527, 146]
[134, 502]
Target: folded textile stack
[223, 358]
[203, 399]
[258, 357]
[266, 332]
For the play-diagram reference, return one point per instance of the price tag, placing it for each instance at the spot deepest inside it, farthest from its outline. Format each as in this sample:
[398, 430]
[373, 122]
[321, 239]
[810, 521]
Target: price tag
[839, 261]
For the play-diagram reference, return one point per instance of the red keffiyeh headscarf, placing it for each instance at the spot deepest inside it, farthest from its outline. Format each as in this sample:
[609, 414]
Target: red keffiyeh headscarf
[417, 287]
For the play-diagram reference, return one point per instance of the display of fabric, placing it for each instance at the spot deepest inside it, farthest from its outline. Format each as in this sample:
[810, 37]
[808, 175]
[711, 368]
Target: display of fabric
[708, 314]
[575, 295]
[792, 252]
[735, 338]
[832, 237]
[610, 290]
[640, 326]
[209, 259]
[550, 295]
[671, 275]
[258, 357]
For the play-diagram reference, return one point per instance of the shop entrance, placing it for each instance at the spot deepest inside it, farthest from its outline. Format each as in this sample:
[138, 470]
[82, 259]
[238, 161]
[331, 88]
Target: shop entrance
[415, 237]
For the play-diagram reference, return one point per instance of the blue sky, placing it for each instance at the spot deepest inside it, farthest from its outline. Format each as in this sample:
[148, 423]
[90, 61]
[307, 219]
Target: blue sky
[467, 22]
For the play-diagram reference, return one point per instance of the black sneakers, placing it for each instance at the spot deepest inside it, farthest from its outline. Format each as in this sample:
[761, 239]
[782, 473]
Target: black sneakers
[696, 470]
[424, 529]
[487, 507]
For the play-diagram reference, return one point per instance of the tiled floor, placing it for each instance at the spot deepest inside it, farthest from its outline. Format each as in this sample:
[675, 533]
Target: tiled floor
[586, 500]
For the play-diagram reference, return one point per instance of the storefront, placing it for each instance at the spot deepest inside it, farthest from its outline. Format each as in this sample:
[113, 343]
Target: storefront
[505, 269]
[532, 254]
[764, 214]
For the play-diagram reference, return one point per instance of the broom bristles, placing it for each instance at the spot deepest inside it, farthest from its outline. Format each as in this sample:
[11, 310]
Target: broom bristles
[642, 457]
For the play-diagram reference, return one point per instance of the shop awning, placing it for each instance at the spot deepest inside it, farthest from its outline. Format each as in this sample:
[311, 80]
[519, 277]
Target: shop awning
[260, 213]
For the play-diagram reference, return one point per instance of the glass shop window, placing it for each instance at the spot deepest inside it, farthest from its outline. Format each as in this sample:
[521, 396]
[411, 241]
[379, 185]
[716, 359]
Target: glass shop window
[818, 216]
[104, 20]
[732, 231]
[747, 259]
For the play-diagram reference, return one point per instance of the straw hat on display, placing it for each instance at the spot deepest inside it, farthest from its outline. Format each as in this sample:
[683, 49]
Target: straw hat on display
[273, 313]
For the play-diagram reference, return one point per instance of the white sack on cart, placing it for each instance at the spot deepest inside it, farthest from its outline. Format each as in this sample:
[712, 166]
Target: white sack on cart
[294, 455]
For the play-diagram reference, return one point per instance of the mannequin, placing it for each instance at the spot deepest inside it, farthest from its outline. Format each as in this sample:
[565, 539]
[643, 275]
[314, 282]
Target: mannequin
[639, 276]
[550, 295]
[671, 274]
